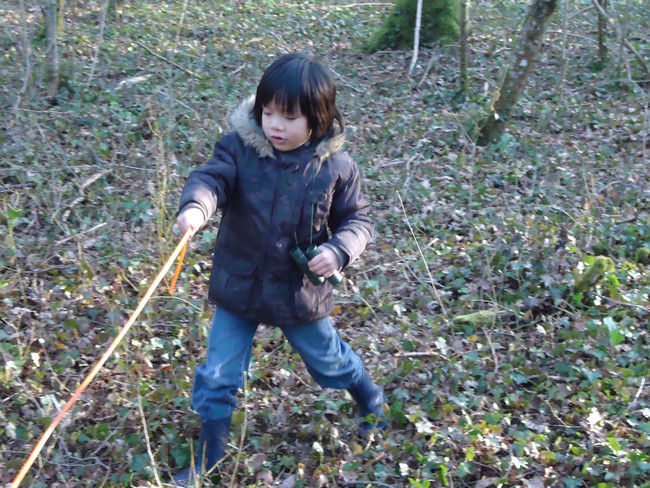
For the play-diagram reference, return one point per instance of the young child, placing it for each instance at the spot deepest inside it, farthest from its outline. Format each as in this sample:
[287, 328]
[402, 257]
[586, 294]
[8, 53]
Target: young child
[282, 182]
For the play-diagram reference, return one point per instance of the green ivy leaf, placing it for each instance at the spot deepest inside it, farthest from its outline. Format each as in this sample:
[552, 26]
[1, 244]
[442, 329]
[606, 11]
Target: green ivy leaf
[614, 444]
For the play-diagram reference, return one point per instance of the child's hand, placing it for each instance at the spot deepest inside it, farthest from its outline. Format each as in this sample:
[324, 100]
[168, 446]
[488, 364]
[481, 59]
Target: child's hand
[192, 217]
[325, 263]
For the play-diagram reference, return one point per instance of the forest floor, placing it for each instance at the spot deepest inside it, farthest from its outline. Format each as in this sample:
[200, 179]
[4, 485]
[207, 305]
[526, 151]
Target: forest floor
[503, 305]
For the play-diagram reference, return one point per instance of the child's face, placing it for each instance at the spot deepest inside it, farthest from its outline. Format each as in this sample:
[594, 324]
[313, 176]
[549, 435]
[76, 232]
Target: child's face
[286, 131]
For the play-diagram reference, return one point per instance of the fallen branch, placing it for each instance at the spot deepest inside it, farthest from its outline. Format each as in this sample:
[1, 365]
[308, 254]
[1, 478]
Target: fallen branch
[426, 264]
[624, 304]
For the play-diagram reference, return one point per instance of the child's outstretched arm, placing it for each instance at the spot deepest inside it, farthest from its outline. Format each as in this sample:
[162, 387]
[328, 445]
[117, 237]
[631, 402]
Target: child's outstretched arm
[190, 217]
[209, 185]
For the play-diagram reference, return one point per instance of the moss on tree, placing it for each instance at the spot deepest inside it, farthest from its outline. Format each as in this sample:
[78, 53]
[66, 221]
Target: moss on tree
[594, 274]
[440, 23]
[642, 255]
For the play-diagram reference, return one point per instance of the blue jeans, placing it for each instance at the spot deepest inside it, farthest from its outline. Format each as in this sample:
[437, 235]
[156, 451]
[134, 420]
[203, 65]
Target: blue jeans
[330, 360]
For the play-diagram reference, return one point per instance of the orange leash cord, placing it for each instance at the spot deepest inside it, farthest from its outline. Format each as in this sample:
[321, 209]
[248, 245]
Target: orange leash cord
[180, 250]
[179, 266]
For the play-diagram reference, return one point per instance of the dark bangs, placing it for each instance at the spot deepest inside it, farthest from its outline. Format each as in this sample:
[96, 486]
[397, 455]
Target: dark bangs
[299, 81]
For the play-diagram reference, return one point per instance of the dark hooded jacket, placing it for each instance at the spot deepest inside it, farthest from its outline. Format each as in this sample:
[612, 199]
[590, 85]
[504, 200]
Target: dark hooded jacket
[271, 202]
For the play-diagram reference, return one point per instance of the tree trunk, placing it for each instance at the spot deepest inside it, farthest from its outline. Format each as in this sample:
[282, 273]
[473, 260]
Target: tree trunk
[113, 11]
[624, 22]
[523, 60]
[60, 18]
[565, 41]
[27, 54]
[416, 36]
[621, 33]
[463, 48]
[52, 54]
[602, 32]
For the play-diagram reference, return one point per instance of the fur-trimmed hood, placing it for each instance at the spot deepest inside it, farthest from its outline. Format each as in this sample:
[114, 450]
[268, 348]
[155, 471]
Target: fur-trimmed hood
[244, 124]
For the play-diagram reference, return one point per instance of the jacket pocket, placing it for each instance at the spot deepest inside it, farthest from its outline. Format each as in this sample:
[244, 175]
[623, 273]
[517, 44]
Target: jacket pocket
[232, 282]
[313, 301]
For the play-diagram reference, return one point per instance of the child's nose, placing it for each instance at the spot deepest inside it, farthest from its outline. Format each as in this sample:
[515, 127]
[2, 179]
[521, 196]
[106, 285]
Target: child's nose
[276, 123]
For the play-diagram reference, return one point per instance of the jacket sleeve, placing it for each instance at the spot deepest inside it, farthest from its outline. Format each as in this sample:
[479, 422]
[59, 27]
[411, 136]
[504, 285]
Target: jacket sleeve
[349, 218]
[209, 185]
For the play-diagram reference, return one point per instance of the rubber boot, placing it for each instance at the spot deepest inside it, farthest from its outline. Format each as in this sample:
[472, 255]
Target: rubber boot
[370, 400]
[213, 441]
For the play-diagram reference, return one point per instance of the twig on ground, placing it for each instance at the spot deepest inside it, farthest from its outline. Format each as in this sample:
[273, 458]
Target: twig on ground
[365, 302]
[352, 5]
[69, 238]
[17, 186]
[416, 354]
[366, 483]
[426, 70]
[76, 264]
[627, 220]
[303, 382]
[237, 70]
[242, 435]
[345, 82]
[550, 407]
[180, 25]
[624, 304]
[426, 265]
[636, 397]
[163, 58]
[492, 350]
[145, 430]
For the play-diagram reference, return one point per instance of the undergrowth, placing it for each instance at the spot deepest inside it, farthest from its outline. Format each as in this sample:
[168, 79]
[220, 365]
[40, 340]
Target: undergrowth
[503, 303]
